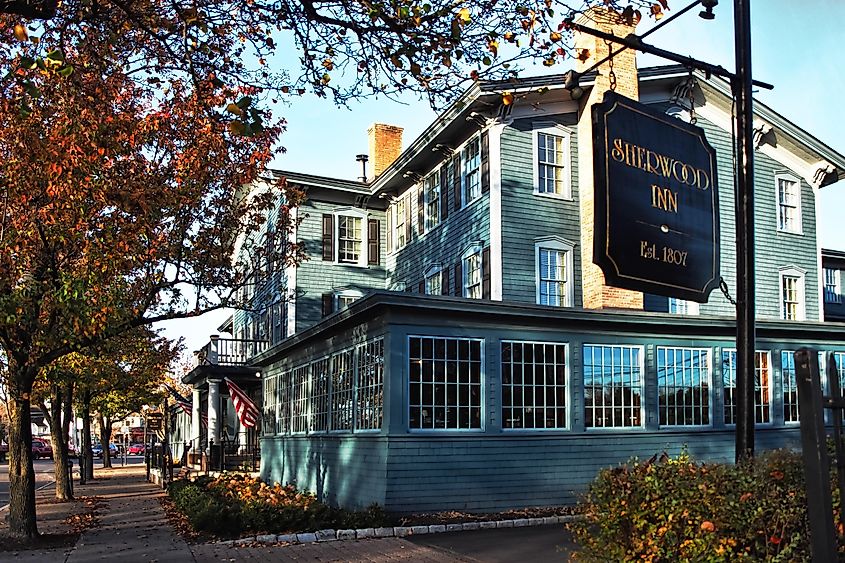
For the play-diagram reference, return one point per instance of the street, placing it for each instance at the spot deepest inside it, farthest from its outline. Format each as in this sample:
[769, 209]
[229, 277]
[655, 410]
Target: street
[45, 473]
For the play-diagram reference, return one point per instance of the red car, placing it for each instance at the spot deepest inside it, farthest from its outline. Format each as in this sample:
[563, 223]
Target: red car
[40, 449]
[136, 449]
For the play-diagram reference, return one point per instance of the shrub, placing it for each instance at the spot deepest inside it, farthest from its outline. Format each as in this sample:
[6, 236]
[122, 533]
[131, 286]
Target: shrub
[679, 510]
[230, 504]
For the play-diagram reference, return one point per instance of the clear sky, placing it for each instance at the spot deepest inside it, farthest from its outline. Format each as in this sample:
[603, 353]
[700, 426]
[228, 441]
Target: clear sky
[796, 45]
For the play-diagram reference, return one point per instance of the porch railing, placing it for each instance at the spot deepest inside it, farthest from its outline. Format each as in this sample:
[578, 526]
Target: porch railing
[229, 351]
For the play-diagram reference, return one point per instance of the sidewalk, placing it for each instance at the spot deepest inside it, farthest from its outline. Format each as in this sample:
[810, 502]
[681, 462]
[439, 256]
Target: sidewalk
[133, 528]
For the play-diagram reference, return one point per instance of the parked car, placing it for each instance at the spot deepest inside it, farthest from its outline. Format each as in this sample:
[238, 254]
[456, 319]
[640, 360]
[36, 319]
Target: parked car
[136, 449]
[97, 450]
[40, 449]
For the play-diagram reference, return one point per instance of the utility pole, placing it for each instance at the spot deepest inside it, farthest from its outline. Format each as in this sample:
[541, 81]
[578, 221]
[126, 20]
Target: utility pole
[745, 311]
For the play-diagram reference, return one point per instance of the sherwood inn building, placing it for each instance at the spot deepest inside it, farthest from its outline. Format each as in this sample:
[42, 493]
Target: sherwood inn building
[449, 344]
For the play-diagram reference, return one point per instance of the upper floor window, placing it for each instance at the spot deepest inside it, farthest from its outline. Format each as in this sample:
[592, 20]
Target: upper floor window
[472, 275]
[554, 269]
[434, 281]
[339, 299]
[791, 294]
[471, 161]
[551, 165]
[682, 307]
[832, 289]
[431, 199]
[350, 237]
[789, 204]
[399, 213]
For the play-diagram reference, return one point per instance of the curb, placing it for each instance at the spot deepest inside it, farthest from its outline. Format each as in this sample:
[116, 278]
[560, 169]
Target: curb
[395, 532]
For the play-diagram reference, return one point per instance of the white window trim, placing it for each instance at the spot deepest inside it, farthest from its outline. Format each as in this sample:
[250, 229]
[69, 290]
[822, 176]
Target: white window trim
[432, 271]
[567, 376]
[768, 353]
[795, 272]
[559, 131]
[642, 424]
[799, 227]
[338, 293]
[465, 201]
[555, 243]
[363, 216]
[475, 247]
[693, 307]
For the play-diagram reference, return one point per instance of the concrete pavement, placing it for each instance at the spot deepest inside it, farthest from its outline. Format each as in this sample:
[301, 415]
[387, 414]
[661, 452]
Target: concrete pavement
[133, 528]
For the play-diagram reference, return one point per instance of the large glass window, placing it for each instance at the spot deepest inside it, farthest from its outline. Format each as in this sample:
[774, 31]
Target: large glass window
[283, 403]
[471, 157]
[789, 204]
[269, 404]
[790, 386]
[299, 399]
[370, 385]
[551, 169]
[533, 385]
[445, 383]
[342, 391]
[613, 386]
[320, 382]
[349, 239]
[762, 387]
[683, 386]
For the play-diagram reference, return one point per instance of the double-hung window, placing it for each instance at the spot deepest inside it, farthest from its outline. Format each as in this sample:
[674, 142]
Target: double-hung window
[349, 239]
[791, 294]
[682, 307]
[551, 161]
[434, 281]
[789, 204]
[399, 226]
[553, 256]
[350, 236]
[431, 199]
[472, 275]
[832, 289]
[762, 387]
[471, 157]
[613, 386]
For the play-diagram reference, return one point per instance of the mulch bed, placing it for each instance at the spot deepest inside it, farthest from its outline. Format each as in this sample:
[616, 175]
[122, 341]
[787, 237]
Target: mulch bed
[59, 523]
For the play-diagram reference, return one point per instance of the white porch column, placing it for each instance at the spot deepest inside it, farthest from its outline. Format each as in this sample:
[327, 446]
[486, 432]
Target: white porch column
[242, 435]
[214, 411]
[196, 420]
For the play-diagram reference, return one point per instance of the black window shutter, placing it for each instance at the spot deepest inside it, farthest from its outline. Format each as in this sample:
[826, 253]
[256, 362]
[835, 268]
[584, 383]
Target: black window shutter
[421, 287]
[485, 273]
[485, 162]
[444, 281]
[444, 191]
[459, 279]
[373, 236]
[328, 302]
[328, 237]
[408, 227]
[456, 180]
[421, 209]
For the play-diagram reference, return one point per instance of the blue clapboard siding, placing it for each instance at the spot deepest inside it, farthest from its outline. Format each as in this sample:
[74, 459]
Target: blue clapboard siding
[526, 216]
[315, 276]
[341, 469]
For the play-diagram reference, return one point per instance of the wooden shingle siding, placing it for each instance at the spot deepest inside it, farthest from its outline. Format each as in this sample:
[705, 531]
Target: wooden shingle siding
[526, 217]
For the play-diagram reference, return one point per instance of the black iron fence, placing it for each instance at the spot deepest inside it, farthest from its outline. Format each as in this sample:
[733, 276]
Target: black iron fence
[233, 457]
[812, 404]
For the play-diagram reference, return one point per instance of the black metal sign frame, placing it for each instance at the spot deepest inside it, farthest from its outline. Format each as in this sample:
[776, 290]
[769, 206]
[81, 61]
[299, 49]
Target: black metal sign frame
[656, 201]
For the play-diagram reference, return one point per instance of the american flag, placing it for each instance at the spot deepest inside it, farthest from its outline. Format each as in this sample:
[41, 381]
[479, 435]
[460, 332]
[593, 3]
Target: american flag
[186, 405]
[246, 409]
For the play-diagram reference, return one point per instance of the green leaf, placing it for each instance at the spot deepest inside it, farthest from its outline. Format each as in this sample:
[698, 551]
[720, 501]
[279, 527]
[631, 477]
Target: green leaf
[66, 71]
[244, 102]
[28, 63]
[56, 55]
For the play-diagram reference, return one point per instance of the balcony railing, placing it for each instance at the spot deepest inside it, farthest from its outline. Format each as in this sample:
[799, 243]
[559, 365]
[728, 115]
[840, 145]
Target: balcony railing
[229, 351]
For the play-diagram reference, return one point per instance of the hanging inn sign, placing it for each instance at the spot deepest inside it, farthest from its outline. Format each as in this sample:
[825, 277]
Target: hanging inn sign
[656, 201]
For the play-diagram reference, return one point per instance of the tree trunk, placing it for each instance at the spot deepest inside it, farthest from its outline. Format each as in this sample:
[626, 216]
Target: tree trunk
[87, 454]
[22, 522]
[105, 438]
[60, 457]
[67, 417]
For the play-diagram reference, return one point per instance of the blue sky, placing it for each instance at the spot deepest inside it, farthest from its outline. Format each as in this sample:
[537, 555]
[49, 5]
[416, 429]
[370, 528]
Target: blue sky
[796, 46]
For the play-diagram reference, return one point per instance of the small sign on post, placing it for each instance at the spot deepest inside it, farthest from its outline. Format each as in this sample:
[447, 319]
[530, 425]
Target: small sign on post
[155, 421]
[656, 201]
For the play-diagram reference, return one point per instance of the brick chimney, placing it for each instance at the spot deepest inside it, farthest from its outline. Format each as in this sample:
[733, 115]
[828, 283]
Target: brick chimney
[385, 146]
[596, 294]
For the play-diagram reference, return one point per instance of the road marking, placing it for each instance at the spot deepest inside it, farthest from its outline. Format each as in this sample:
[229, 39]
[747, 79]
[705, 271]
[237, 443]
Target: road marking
[44, 486]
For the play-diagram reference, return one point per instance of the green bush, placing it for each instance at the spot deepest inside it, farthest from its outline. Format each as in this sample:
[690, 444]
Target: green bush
[679, 510]
[232, 504]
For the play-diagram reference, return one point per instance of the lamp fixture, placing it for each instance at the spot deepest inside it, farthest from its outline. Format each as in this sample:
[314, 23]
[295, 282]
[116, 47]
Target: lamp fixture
[707, 12]
[571, 81]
